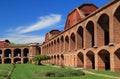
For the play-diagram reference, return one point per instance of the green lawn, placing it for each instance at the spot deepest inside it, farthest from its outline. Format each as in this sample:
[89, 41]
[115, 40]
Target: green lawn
[4, 68]
[29, 71]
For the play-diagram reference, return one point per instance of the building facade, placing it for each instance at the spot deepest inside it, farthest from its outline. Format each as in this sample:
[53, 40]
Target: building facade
[91, 38]
[17, 54]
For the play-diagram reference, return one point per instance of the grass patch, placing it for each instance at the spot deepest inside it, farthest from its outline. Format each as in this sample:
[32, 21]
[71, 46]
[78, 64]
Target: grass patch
[4, 69]
[29, 71]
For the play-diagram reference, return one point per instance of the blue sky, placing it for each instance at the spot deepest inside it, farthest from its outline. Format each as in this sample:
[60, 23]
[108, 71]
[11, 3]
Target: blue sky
[26, 21]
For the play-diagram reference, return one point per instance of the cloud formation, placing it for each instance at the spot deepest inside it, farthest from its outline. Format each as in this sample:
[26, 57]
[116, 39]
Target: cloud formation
[44, 22]
[19, 35]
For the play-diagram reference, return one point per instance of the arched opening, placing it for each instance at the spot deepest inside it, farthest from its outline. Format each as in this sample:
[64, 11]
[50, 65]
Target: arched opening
[103, 30]
[58, 59]
[55, 60]
[116, 21]
[17, 60]
[90, 60]
[104, 60]
[25, 52]
[52, 47]
[72, 41]
[7, 60]
[0, 54]
[17, 53]
[58, 44]
[80, 40]
[80, 60]
[25, 60]
[66, 43]
[55, 46]
[117, 60]
[8, 53]
[62, 60]
[62, 44]
[90, 34]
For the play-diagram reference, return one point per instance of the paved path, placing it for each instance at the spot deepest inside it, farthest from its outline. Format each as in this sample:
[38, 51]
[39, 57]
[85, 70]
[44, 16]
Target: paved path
[89, 72]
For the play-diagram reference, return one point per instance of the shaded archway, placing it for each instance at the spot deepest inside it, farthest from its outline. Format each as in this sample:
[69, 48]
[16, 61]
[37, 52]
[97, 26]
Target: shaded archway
[7, 53]
[0, 54]
[90, 34]
[62, 44]
[117, 60]
[103, 60]
[54, 46]
[55, 59]
[103, 30]
[7, 60]
[25, 52]
[58, 44]
[58, 59]
[62, 60]
[72, 41]
[17, 52]
[25, 60]
[17, 60]
[116, 25]
[80, 60]
[66, 43]
[80, 40]
[90, 60]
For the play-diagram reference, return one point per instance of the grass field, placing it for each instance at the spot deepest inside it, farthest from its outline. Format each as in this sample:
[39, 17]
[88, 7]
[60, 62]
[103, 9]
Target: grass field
[28, 71]
[4, 69]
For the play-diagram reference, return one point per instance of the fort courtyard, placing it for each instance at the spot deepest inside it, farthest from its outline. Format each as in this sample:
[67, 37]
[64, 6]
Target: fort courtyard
[90, 40]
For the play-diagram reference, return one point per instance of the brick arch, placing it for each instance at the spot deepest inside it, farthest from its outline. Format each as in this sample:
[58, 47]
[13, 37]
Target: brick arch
[7, 53]
[103, 30]
[17, 52]
[90, 60]
[72, 41]
[117, 60]
[116, 21]
[1, 54]
[58, 59]
[16, 60]
[52, 47]
[80, 38]
[67, 43]
[55, 59]
[25, 60]
[62, 43]
[55, 46]
[7, 60]
[103, 60]
[25, 52]
[62, 59]
[80, 59]
[58, 44]
[90, 34]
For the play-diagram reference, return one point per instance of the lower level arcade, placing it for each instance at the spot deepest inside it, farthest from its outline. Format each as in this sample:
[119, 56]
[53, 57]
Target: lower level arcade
[102, 58]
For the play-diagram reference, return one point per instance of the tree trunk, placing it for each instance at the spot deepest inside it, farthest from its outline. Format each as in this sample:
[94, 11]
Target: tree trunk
[39, 62]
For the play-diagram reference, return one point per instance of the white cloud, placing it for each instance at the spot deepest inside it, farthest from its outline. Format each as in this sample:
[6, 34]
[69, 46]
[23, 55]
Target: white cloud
[18, 35]
[21, 39]
[44, 22]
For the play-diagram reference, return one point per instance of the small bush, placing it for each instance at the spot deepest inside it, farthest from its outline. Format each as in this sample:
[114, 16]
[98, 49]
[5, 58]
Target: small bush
[50, 74]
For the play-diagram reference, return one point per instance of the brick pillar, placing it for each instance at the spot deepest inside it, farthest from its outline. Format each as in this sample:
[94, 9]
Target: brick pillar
[96, 61]
[112, 57]
[111, 29]
[12, 60]
[95, 34]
